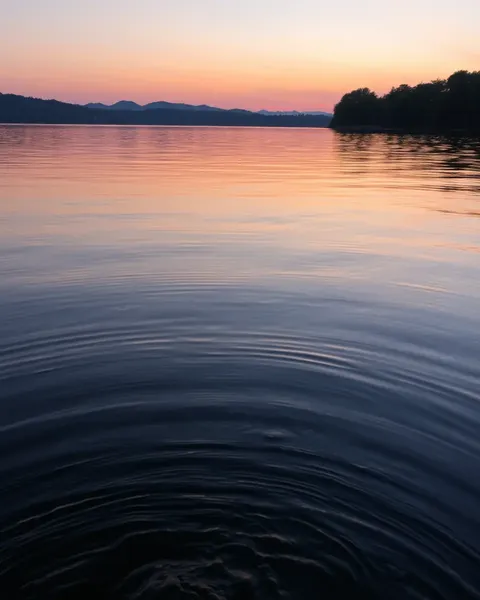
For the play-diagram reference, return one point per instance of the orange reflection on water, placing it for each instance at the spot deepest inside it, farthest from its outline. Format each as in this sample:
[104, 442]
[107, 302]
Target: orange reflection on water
[304, 187]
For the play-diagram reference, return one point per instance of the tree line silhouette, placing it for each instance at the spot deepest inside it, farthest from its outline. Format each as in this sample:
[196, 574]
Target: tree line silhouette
[441, 105]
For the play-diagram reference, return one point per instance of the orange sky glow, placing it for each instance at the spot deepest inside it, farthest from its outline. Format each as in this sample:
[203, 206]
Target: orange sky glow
[276, 55]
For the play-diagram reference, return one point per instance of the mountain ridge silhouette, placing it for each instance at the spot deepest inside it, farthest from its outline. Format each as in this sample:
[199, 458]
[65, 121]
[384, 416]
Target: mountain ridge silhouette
[162, 104]
[22, 109]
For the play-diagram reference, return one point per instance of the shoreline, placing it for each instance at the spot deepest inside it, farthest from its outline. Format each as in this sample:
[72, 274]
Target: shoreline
[399, 131]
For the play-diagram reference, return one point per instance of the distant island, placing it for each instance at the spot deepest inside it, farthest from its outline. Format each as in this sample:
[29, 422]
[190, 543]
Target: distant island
[20, 109]
[443, 105]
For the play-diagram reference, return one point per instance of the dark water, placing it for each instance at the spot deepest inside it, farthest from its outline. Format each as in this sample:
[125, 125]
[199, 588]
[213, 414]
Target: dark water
[238, 364]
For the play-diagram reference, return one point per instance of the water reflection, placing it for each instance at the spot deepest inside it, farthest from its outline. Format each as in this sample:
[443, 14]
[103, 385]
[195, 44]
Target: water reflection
[416, 160]
[238, 363]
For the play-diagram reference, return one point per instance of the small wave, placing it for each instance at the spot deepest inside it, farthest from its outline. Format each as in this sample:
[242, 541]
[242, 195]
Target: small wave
[182, 491]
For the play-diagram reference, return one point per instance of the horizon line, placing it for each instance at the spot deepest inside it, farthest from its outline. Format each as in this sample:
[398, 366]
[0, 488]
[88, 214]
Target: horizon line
[318, 110]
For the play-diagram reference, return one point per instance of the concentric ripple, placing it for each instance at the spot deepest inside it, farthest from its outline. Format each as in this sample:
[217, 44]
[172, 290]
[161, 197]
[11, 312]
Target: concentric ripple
[238, 365]
[141, 464]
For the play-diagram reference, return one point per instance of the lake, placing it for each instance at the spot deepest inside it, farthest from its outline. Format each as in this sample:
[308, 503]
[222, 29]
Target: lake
[238, 364]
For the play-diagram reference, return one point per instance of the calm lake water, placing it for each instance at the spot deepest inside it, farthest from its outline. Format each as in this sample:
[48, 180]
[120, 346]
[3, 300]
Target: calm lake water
[238, 364]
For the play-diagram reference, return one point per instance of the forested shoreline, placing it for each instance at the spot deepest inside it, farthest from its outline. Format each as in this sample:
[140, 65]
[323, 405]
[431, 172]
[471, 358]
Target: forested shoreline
[451, 104]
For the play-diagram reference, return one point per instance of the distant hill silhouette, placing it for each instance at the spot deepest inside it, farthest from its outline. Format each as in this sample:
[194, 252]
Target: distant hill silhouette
[129, 105]
[125, 105]
[451, 104]
[20, 109]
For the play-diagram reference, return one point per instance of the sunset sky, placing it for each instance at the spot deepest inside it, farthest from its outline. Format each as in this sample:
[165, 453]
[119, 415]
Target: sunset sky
[275, 54]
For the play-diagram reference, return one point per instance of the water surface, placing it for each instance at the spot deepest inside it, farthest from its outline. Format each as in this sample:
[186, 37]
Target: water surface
[238, 363]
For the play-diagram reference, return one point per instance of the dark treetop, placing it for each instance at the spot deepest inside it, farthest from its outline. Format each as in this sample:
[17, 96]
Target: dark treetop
[19, 109]
[442, 105]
